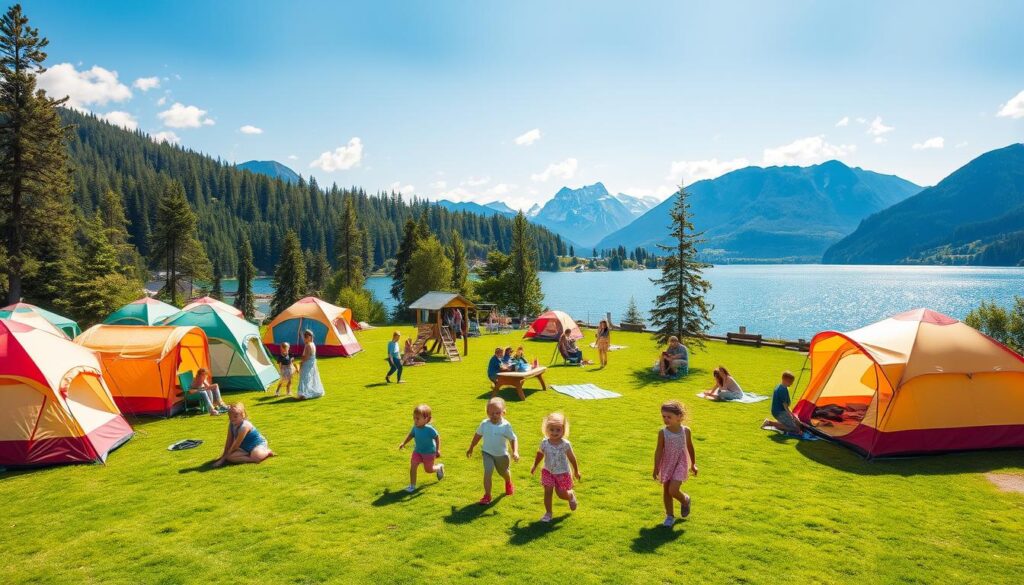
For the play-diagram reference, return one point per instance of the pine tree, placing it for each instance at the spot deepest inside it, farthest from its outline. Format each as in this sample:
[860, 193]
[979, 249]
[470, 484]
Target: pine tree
[34, 183]
[244, 299]
[632, 315]
[100, 285]
[115, 225]
[524, 290]
[290, 275]
[349, 247]
[217, 292]
[174, 239]
[681, 309]
[320, 274]
[460, 269]
[429, 269]
[410, 240]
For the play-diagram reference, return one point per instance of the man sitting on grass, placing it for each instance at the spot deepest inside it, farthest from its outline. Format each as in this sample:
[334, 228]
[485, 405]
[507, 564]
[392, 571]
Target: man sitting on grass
[785, 420]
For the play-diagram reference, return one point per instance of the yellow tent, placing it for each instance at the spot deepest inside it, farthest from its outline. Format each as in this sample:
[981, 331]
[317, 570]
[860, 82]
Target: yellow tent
[331, 327]
[917, 382]
[54, 406]
[141, 364]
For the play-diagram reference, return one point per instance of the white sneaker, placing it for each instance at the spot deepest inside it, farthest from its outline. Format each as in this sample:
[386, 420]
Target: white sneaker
[545, 518]
[669, 521]
[410, 488]
[440, 472]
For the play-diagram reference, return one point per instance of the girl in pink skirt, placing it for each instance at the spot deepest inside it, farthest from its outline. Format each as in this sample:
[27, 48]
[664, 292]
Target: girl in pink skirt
[557, 454]
[674, 460]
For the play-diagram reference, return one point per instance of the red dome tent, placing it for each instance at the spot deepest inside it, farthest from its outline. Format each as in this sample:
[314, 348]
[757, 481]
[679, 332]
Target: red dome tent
[550, 325]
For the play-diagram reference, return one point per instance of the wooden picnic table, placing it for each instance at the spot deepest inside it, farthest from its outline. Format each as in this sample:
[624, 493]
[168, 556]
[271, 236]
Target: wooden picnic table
[517, 379]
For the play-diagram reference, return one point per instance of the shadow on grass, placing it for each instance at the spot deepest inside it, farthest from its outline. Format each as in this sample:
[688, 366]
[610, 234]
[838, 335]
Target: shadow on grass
[509, 394]
[471, 512]
[650, 539]
[843, 459]
[526, 534]
[647, 377]
[271, 400]
[201, 468]
[376, 385]
[389, 497]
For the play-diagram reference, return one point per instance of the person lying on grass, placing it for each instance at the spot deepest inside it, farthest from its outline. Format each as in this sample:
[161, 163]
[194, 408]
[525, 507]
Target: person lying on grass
[244, 444]
[674, 460]
[496, 433]
[726, 387]
[785, 420]
[557, 454]
[203, 385]
[427, 446]
[287, 367]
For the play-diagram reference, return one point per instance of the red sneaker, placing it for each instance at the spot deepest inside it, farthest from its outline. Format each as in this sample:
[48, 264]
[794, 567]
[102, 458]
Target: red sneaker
[485, 500]
[509, 488]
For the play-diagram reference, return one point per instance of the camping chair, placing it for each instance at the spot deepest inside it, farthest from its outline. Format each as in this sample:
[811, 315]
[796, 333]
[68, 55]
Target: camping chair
[566, 360]
[193, 400]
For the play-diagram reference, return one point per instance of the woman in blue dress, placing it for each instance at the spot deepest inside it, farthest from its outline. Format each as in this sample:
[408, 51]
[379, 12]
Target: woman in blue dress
[310, 385]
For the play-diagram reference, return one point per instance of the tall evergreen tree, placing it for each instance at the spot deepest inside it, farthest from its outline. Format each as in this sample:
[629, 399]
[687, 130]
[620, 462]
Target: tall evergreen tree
[34, 182]
[102, 283]
[460, 268]
[320, 274]
[244, 299]
[115, 224]
[175, 248]
[217, 291]
[525, 292]
[410, 240]
[349, 247]
[633, 315]
[430, 269]
[681, 309]
[290, 275]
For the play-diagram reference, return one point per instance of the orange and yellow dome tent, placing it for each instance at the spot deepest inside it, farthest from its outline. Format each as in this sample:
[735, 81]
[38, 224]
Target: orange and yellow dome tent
[54, 406]
[331, 326]
[918, 382]
[141, 364]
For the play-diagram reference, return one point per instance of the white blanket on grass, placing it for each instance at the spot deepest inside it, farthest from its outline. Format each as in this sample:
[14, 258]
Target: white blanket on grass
[748, 398]
[593, 345]
[584, 391]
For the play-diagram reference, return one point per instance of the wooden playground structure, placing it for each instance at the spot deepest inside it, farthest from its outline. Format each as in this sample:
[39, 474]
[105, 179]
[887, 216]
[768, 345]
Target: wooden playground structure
[438, 324]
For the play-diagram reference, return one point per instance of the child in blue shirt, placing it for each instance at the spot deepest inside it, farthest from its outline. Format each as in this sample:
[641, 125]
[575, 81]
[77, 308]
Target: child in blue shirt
[785, 420]
[427, 446]
[394, 358]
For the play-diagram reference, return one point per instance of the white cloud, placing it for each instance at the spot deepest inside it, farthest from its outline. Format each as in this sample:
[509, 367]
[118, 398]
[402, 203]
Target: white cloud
[96, 86]
[845, 121]
[931, 143]
[877, 128]
[182, 116]
[563, 170]
[961, 144]
[862, 121]
[292, 157]
[662, 192]
[696, 170]
[165, 136]
[398, 187]
[439, 185]
[146, 83]
[249, 129]
[500, 191]
[879, 140]
[1013, 108]
[528, 138]
[161, 101]
[476, 182]
[342, 158]
[810, 150]
[122, 119]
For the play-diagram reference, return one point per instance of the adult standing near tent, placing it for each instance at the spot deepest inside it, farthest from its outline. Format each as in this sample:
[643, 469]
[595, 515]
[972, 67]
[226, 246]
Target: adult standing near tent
[310, 385]
[604, 340]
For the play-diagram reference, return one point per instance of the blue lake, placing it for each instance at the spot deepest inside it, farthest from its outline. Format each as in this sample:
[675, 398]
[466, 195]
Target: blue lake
[782, 301]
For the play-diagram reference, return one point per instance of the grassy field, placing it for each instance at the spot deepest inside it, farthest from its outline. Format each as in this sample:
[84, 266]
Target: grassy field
[330, 507]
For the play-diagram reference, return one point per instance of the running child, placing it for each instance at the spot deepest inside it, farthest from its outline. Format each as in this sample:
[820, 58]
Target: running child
[496, 433]
[427, 447]
[557, 454]
[286, 364]
[674, 460]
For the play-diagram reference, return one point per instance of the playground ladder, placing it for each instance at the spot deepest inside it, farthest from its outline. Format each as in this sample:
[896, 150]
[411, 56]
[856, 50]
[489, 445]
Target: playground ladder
[449, 345]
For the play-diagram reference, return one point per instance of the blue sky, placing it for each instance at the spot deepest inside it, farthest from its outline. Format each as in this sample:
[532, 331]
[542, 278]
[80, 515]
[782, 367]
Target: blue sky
[510, 101]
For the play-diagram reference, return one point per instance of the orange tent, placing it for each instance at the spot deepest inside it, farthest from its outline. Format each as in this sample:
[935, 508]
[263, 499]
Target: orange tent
[54, 406]
[141, 364]
[331, 327]
[918, 382]
[550, 325]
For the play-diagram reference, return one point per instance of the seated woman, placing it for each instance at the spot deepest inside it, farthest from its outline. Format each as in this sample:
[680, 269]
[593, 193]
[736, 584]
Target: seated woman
[726, 387]
[519, 363]
[674, 358]
[571, 352]
[410, 357]
[210, 392]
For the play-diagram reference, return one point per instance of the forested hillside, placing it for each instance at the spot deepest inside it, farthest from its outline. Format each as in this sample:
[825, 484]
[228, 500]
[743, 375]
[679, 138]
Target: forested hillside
[230, 202]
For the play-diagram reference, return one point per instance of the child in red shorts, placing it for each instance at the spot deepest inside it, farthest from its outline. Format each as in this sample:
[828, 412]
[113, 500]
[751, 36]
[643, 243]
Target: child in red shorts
[427, 447]
[557, 454]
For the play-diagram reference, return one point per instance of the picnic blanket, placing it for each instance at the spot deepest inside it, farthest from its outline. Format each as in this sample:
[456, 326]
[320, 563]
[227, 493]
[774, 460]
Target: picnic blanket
[585, 391]
[748, 398]
[593, 345]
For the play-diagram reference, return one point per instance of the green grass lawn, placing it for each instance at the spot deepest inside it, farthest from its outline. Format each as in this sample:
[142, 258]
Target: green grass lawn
[330, 507]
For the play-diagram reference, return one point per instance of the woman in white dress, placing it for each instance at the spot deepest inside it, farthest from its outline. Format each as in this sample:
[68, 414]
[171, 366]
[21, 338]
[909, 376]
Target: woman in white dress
[310, 385]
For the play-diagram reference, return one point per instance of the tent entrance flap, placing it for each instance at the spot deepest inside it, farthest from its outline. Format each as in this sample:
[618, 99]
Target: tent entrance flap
[849, 395]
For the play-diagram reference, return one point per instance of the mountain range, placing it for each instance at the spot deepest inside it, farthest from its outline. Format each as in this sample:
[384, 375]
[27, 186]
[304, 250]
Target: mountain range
[785, 213]
[270, 168]
[973, 216]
